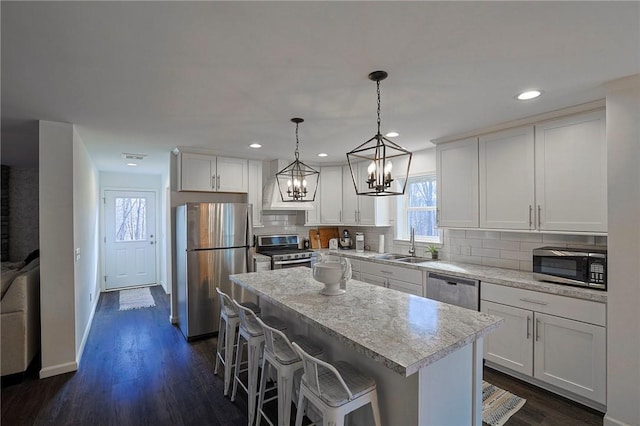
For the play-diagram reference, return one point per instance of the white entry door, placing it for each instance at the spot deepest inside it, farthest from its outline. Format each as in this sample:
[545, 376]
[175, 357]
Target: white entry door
[130, 238]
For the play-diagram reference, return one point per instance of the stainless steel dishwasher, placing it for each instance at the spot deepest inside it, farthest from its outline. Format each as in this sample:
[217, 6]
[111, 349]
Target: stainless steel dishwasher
[457, 291]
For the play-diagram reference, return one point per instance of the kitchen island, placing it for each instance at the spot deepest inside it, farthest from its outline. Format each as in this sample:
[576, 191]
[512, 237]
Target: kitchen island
[425, 356]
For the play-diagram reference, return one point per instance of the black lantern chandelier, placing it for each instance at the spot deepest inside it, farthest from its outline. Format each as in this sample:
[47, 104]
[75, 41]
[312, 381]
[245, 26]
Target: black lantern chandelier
[375, 155]
[297, 182]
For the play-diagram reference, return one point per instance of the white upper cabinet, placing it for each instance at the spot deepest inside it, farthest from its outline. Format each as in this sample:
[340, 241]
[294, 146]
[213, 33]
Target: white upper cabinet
[255, 190]
[506, 171]
[550, 176]
[349, 198]
[232, 175]
[201, 172]
[571, 174]
[457, 174]
[196, 172]
[331, 195]
[312, 217]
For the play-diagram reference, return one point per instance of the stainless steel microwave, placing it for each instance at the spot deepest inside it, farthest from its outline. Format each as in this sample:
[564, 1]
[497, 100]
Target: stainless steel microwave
[580, 267]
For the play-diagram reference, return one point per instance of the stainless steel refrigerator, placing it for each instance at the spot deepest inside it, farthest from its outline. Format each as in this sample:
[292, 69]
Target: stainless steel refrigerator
[212, 242]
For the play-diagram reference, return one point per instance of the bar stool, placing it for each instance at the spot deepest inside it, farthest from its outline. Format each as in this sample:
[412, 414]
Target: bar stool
[334, 389]
[281, 356]
[229, 321]
[251, 332]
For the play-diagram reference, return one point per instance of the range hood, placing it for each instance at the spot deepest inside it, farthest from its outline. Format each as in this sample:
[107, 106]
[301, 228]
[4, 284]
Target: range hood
[271, 199]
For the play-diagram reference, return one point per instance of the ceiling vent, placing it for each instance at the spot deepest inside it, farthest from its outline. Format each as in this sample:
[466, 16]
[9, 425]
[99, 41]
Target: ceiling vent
[133, 157]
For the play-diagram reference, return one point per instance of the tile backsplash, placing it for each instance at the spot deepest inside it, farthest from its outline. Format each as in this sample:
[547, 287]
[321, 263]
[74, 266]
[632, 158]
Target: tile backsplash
[510, 250]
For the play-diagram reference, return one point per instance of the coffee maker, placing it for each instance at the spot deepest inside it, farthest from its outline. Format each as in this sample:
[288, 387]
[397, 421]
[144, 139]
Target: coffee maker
[345, 240]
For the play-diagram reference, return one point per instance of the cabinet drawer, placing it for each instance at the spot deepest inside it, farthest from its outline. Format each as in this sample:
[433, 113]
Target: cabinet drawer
[395, 272]
[562, 306]
[373, 279]
[405, 287]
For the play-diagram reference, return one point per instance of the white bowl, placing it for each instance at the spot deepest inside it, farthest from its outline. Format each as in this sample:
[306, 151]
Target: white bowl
[329, 273]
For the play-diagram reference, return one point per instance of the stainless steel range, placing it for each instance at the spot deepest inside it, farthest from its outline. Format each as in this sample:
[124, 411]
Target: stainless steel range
[284, 251]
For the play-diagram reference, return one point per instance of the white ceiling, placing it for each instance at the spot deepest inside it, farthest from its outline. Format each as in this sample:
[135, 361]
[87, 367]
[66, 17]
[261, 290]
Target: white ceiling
[145, 77]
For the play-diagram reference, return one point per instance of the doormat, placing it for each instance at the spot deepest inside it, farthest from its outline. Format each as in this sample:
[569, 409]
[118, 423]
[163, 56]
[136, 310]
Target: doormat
[498, 405]
[136, 298]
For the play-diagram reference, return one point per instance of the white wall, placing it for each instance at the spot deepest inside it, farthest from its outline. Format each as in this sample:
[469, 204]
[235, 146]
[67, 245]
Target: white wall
[56, 248]
[86, 201]
[623, 315]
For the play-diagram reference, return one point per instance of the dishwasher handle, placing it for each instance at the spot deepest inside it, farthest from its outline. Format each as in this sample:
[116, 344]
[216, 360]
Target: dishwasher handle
[453, 280]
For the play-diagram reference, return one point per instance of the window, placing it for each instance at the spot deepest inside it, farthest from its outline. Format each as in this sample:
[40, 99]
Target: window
[417, 209]
[131, 224]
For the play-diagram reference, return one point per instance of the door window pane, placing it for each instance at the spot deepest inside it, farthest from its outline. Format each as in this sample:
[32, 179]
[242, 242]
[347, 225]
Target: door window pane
[131, 219]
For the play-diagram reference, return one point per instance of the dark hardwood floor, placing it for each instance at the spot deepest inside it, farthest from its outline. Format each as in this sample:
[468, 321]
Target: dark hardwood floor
[542, 407]
[137, 369]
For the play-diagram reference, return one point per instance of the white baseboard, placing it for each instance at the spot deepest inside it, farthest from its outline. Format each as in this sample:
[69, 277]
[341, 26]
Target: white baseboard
[609, 421]
[87, 330]
[55, 370]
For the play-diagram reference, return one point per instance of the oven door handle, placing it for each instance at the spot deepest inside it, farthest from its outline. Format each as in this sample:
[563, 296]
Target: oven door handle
[291, 262]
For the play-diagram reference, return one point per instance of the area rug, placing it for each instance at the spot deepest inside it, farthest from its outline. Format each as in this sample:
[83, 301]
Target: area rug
[136, 298]
[498, 404]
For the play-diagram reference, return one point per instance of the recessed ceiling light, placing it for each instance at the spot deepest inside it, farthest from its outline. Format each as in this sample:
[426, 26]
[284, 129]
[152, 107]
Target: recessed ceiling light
[322, 154]
[255, 145]
[131, 164]
[392, 134]
[529, 94]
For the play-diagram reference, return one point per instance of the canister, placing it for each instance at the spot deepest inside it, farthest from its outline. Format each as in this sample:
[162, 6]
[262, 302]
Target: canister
[359, 242]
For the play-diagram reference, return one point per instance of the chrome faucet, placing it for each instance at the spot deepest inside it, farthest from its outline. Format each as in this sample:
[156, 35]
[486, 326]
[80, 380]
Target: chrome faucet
[412, 242]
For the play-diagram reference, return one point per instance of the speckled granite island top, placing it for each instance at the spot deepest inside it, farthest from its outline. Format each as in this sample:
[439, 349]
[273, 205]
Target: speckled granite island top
[401, 331]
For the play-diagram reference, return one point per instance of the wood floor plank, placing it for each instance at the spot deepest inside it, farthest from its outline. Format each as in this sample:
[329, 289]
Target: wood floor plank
[137, 369]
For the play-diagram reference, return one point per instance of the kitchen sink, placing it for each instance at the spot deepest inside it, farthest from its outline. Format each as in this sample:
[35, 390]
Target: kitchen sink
[413, 260]
[390, 256]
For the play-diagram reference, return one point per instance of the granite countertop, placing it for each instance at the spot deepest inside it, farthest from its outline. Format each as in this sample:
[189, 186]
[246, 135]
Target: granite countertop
[501, 276]
[401, 331]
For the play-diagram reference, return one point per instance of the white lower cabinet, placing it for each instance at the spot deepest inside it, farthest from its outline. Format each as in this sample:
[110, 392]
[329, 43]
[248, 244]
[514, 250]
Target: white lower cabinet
[373, 279]
[571, 355]
[553, 339]
[511, 344]
[406, 280]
